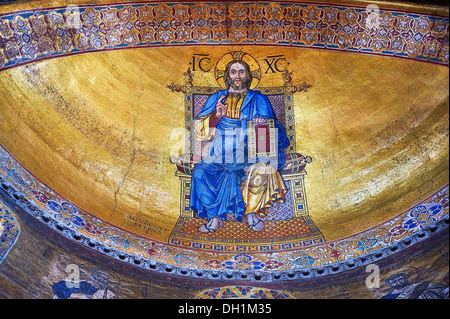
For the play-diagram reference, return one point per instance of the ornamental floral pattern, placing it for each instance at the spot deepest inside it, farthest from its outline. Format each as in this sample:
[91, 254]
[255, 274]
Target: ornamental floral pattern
[41, 34]
[243, 292]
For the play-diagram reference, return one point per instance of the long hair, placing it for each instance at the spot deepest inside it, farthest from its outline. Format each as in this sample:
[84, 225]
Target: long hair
[226, 75]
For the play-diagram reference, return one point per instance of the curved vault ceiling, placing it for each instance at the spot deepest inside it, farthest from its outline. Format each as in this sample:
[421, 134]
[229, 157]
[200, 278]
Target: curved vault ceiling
[86, 138]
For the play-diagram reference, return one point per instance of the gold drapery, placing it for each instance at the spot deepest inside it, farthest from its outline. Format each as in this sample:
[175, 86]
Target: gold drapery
[263, 187]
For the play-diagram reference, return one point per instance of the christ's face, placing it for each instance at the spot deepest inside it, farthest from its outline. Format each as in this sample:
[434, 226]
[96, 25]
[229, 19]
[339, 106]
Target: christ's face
[238, 76]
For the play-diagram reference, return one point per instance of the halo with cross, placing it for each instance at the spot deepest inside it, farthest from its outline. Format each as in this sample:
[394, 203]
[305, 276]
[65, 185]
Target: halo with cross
[255, 68]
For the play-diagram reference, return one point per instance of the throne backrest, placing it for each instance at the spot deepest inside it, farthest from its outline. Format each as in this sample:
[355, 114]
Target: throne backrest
[281, 99]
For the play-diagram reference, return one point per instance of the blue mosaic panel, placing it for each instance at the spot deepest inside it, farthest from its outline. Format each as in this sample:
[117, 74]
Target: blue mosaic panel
[9, 231]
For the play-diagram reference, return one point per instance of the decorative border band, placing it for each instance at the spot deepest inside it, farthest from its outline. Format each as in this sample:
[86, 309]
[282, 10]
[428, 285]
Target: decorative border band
[34, 35]
[408, 228]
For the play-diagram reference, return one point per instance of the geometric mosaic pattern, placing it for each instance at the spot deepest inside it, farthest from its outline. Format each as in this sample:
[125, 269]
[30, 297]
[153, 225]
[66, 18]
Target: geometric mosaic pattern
[46, 33]
[236, 230]
[276, 235]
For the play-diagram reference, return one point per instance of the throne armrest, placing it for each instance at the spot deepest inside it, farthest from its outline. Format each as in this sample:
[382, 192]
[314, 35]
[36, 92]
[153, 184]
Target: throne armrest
[295, 163]
[185, 163]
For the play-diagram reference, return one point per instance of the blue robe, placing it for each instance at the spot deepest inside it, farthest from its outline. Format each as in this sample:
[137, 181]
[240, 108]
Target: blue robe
[215, 189]
[63, 292]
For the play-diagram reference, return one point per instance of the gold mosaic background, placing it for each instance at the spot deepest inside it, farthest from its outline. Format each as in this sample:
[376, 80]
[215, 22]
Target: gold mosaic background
[376, 128]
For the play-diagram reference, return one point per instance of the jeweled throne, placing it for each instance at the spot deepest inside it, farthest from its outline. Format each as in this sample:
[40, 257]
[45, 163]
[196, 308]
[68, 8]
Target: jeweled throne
[287, 224]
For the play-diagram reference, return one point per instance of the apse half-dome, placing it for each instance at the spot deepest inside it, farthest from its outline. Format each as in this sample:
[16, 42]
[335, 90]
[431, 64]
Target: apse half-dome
[98, 120]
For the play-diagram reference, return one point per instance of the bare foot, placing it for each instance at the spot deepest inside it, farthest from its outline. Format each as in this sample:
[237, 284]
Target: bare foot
[254, 222]
[214, 224]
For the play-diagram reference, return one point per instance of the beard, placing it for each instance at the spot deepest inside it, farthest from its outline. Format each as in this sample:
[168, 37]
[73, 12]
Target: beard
[238, 85]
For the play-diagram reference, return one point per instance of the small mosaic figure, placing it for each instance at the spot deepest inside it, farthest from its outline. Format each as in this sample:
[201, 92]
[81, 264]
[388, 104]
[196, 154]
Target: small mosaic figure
[401, 288]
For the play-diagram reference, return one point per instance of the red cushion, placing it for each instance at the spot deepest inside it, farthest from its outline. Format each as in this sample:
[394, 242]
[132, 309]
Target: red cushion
[295, 162]
[186, 162]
